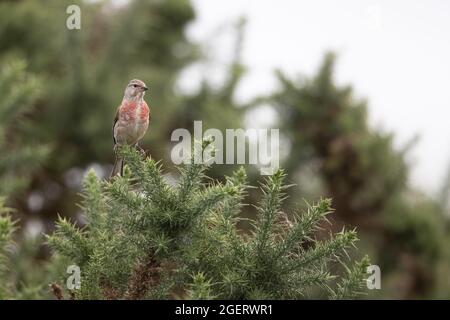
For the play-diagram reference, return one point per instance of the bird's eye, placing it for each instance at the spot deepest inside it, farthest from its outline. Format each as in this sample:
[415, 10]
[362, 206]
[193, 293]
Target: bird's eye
[135, 85]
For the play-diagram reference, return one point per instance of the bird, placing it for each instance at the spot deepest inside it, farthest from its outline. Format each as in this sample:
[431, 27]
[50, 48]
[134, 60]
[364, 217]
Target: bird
[131, 121]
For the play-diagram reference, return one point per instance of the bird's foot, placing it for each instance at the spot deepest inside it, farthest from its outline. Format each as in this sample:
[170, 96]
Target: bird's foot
[141, 151]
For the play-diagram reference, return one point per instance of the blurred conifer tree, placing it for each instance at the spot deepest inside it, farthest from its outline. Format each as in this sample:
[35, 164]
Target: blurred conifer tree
[83, 75]
[329, 137]
[20, 158]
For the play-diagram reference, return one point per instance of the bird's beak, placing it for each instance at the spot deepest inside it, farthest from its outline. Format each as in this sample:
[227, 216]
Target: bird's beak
[145, 88]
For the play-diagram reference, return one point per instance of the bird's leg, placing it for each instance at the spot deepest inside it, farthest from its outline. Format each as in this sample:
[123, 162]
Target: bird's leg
[142, 151]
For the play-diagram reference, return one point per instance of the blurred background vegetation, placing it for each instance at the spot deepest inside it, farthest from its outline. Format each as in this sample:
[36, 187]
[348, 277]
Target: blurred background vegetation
[60, 89]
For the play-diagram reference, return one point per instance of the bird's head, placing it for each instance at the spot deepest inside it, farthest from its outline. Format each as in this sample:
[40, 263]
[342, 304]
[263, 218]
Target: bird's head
[135, 90]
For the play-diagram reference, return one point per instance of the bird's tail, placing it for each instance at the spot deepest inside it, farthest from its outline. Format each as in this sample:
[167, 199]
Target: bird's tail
[118, 167]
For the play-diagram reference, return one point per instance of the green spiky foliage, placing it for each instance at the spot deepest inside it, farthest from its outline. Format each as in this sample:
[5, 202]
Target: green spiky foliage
[6, 230]
[23, 275]
[149, 235]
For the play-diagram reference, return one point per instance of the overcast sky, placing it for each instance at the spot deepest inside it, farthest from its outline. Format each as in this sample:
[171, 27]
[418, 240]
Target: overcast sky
[395, 54]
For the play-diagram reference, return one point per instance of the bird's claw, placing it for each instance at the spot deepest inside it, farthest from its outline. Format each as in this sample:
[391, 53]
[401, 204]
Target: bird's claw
[141, 151]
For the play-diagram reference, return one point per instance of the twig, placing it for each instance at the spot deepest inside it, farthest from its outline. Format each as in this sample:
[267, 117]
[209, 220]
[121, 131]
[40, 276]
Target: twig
[57, 291]
[145, 275]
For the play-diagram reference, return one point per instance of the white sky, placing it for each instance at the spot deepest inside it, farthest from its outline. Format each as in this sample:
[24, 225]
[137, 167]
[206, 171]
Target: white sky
[395, 53]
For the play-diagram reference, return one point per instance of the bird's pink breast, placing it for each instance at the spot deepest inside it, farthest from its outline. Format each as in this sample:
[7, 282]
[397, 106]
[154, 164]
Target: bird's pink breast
[132, 111]
[132, 123]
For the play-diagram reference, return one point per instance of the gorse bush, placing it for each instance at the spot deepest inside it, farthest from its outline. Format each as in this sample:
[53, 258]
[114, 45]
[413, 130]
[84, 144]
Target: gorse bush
[148, 235]
[6, 230]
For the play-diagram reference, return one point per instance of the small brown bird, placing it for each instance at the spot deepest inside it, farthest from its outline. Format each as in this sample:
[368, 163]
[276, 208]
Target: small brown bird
[131, 121]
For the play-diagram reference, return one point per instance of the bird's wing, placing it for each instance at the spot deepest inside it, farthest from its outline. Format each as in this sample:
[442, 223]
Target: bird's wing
[116, 118]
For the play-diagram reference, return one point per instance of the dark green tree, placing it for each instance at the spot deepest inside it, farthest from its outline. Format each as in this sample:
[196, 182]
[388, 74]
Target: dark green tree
[358, 167]
[20, 158]
[84, 73]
